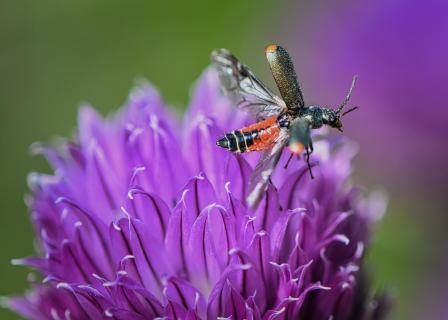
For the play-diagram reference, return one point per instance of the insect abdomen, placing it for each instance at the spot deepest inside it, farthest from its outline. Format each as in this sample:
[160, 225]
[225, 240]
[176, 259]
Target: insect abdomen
[258, 136]
[237, 141]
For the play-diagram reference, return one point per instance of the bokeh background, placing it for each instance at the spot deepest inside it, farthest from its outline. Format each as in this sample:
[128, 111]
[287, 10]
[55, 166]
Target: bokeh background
[55, 55]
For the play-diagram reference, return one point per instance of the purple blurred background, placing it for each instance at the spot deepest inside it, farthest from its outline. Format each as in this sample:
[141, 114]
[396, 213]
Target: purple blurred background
[399, 50]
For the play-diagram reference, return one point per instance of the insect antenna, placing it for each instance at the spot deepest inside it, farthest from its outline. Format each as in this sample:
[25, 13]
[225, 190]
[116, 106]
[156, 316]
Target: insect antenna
[349, 110]
[347, 97]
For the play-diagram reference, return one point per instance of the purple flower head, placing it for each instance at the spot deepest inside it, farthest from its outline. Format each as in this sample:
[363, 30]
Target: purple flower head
[145, 218]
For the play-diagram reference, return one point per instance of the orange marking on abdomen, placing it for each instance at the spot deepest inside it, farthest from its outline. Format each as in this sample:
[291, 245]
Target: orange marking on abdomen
[268, 131]
[269, 122]
[266, 140]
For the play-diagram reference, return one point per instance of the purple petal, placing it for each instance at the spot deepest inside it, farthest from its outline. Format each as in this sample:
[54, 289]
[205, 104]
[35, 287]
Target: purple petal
[197, 194]
[209, 244]
[175, 310]
[183, 293]
[260, 252]
[46, 302]
[151, 210]
[246, 278]
[225, 301]
[268, 211]
[200, 150]
[237, 170]
[149, 302]
[148, 263]
[154, 147]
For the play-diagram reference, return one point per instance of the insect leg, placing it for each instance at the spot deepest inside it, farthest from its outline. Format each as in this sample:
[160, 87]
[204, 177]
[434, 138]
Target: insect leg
[311, 146]
[289, 160]
[308, 161]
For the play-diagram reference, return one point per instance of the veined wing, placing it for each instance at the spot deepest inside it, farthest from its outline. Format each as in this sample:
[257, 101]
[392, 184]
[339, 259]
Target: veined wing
[263, 170]
[241, 85]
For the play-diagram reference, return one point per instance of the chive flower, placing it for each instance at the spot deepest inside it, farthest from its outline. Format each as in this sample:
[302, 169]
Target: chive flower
[145, 218]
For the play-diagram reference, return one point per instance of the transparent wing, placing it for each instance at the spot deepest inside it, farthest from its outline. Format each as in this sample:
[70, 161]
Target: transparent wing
[241, 85]
[263, 170]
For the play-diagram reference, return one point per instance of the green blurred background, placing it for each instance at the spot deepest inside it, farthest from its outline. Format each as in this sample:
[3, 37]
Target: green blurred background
[55, 55]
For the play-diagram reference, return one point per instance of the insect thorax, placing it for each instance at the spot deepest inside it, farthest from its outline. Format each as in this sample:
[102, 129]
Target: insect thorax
[284, 120]
[313, 115]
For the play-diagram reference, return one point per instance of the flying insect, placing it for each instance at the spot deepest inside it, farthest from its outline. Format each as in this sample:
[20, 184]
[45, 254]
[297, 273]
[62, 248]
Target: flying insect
[281, 122]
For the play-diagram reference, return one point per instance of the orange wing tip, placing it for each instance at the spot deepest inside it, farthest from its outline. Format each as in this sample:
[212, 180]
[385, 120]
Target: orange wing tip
[271, 48]
[296, 148]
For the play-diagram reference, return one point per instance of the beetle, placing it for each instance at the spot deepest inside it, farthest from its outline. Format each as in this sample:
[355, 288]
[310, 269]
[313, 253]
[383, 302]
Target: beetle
[281, 122]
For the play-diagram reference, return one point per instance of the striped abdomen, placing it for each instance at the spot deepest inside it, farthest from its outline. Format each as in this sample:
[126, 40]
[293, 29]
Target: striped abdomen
[256, 137]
